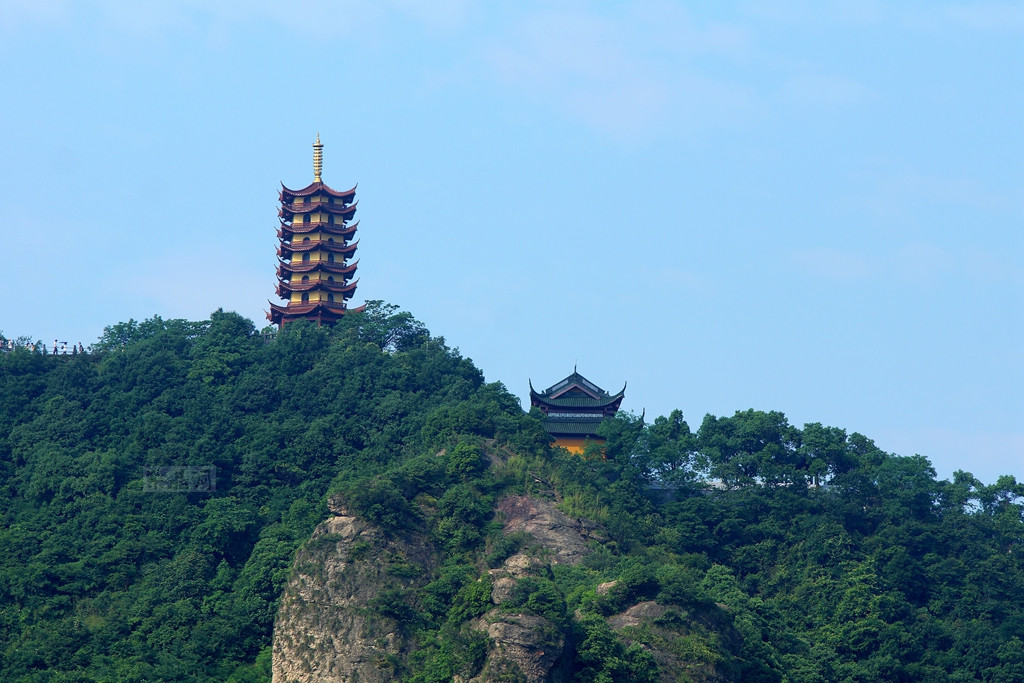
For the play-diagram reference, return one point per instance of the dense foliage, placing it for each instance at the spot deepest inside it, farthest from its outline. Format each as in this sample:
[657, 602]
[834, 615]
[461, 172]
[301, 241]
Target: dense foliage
[782, 553]
[106, 579]
[830, 560]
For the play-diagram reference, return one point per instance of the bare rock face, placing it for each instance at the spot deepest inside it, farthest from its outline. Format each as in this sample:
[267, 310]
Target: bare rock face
[524, 647]
[323, 631]
[527, 647]
[663, 631]
[672, 666]
[329, 626]
[503, 580]
[637, 615]
[551, 528]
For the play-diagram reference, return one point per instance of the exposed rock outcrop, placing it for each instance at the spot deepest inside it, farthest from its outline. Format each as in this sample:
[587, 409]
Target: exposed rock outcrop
[523, 647]
[325, 629]
[666, 633]
[637, 614]
[564, 537]
[504, 579]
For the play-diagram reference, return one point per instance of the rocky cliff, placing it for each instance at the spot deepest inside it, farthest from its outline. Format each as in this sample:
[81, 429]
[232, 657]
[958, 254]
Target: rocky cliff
[521, 645]
[324, 629]
[341, 616]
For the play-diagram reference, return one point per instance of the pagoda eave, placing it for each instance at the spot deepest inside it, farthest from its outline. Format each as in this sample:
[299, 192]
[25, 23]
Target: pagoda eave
[332, 267]
[329, 285]
[312, 245]
[340, 229]
[318, 311]
[315, 187]
[284, 292]
[346, 210]
[285, 252]
[305, 308]
[285, 288]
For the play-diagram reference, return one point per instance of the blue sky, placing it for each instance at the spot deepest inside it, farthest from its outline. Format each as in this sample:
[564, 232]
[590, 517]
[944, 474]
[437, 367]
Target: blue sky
[808, 207]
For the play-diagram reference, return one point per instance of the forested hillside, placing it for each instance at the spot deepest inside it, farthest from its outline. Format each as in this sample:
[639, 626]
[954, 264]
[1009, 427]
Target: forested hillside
[765, 552]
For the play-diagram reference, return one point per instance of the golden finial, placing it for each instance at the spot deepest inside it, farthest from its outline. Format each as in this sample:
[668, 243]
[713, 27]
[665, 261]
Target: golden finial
[318, 159]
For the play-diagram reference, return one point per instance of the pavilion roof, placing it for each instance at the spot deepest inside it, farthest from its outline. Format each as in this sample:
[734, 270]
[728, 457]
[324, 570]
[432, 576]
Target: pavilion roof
[575, 391]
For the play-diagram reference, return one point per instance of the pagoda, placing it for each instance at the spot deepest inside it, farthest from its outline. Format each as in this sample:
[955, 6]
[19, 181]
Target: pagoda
[574, 408]
[314, 271]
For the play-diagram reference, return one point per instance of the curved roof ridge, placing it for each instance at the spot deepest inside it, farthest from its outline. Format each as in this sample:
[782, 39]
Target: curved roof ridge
[319, 206]
[576, 391]
[578, 380]
[318, 186]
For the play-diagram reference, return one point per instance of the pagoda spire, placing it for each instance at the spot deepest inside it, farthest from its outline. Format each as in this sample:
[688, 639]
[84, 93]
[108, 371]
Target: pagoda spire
[318, 159]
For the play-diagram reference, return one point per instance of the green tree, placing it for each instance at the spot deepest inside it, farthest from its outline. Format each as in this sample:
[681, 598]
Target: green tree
[671, 451]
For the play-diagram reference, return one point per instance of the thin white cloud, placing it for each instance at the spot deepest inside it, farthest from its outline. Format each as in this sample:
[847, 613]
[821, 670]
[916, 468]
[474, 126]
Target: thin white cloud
[989, 17]
[897, 194]
[919, 264]
[986, 266]
[628, 74]
[442, 16]
[668, 28]
[850, 13]
[824, 90]
[833, 264]
[679, 279]
[326, 17]
[962, 16]
[15, 13]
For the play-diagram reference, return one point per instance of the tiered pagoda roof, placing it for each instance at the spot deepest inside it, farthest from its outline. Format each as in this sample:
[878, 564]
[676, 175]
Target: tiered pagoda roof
[306, 244]
[316, 187]
[334, 268]
[287, 230]
[289, 210]
[574, 408]
[313, 271]
[285, 288]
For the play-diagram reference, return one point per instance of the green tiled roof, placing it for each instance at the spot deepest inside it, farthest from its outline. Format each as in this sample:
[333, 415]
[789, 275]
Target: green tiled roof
[580, 401]
[578, 428]
[575, 378]
[574, 391]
